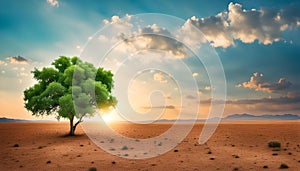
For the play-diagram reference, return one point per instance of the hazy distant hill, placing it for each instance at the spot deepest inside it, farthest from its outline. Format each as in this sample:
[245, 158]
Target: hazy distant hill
[232, 117]
[262, 117]
[4, 119]
[12, 120]
[245, 116]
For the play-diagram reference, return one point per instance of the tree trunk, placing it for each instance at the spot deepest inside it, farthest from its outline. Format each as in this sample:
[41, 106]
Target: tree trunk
[72, 128]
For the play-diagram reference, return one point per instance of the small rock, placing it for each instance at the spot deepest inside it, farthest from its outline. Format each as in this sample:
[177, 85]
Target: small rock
[265, 167]
[175, 151]
[283, 166]
[113, 162]
[16, 145]
[48, 162]
[92, 169]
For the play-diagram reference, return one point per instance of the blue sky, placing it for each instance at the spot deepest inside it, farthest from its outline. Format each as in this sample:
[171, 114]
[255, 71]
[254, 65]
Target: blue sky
[260, 54]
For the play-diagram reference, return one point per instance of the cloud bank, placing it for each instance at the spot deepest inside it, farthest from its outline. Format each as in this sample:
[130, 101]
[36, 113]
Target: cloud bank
[153, 37]
[258, 83]
[264, 25]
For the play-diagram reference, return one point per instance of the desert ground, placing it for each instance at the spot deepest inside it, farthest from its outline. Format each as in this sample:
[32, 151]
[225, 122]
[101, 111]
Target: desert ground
[234, 146]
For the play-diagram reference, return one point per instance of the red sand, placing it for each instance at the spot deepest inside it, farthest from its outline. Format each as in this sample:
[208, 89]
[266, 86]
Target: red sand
[43, 146]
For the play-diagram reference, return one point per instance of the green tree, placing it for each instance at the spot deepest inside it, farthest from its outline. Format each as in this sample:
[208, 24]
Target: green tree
[72, 89]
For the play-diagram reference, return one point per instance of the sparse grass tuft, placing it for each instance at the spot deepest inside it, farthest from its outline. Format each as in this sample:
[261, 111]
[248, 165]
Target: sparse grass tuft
[274, 144]
[124, 147]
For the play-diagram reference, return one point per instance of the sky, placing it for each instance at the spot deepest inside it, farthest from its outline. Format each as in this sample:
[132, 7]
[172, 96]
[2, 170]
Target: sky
[257, 43]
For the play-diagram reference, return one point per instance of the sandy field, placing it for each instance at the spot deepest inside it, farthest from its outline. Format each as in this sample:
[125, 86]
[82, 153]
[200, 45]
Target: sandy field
[234, 146]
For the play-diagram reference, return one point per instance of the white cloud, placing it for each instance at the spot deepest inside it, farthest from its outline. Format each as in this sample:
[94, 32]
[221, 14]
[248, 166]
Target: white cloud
[153, 37]
[189, 34]
[53, 3]
[199, 92]
[264, 25]
[17, 60]
[258, 83]
[195, 74]
[102, 38]
[160, 77]
[207, 88]
[167, 96]
[23, 74]
[215, 29]
[2, 62]
[119, 22]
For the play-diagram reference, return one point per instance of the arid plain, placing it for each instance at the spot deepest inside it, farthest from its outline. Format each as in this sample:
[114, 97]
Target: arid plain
[234, 146]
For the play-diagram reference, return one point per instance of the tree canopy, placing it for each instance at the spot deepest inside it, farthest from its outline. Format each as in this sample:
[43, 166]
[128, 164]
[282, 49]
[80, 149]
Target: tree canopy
[72, 88]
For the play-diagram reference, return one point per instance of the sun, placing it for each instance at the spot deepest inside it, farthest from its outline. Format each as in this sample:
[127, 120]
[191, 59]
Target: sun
[108, 117]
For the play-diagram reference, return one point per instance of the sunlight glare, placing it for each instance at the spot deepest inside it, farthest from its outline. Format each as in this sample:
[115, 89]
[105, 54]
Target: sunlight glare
[107, 117]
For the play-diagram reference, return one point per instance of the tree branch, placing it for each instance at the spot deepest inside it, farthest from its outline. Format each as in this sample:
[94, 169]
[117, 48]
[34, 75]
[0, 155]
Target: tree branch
[80, 120]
